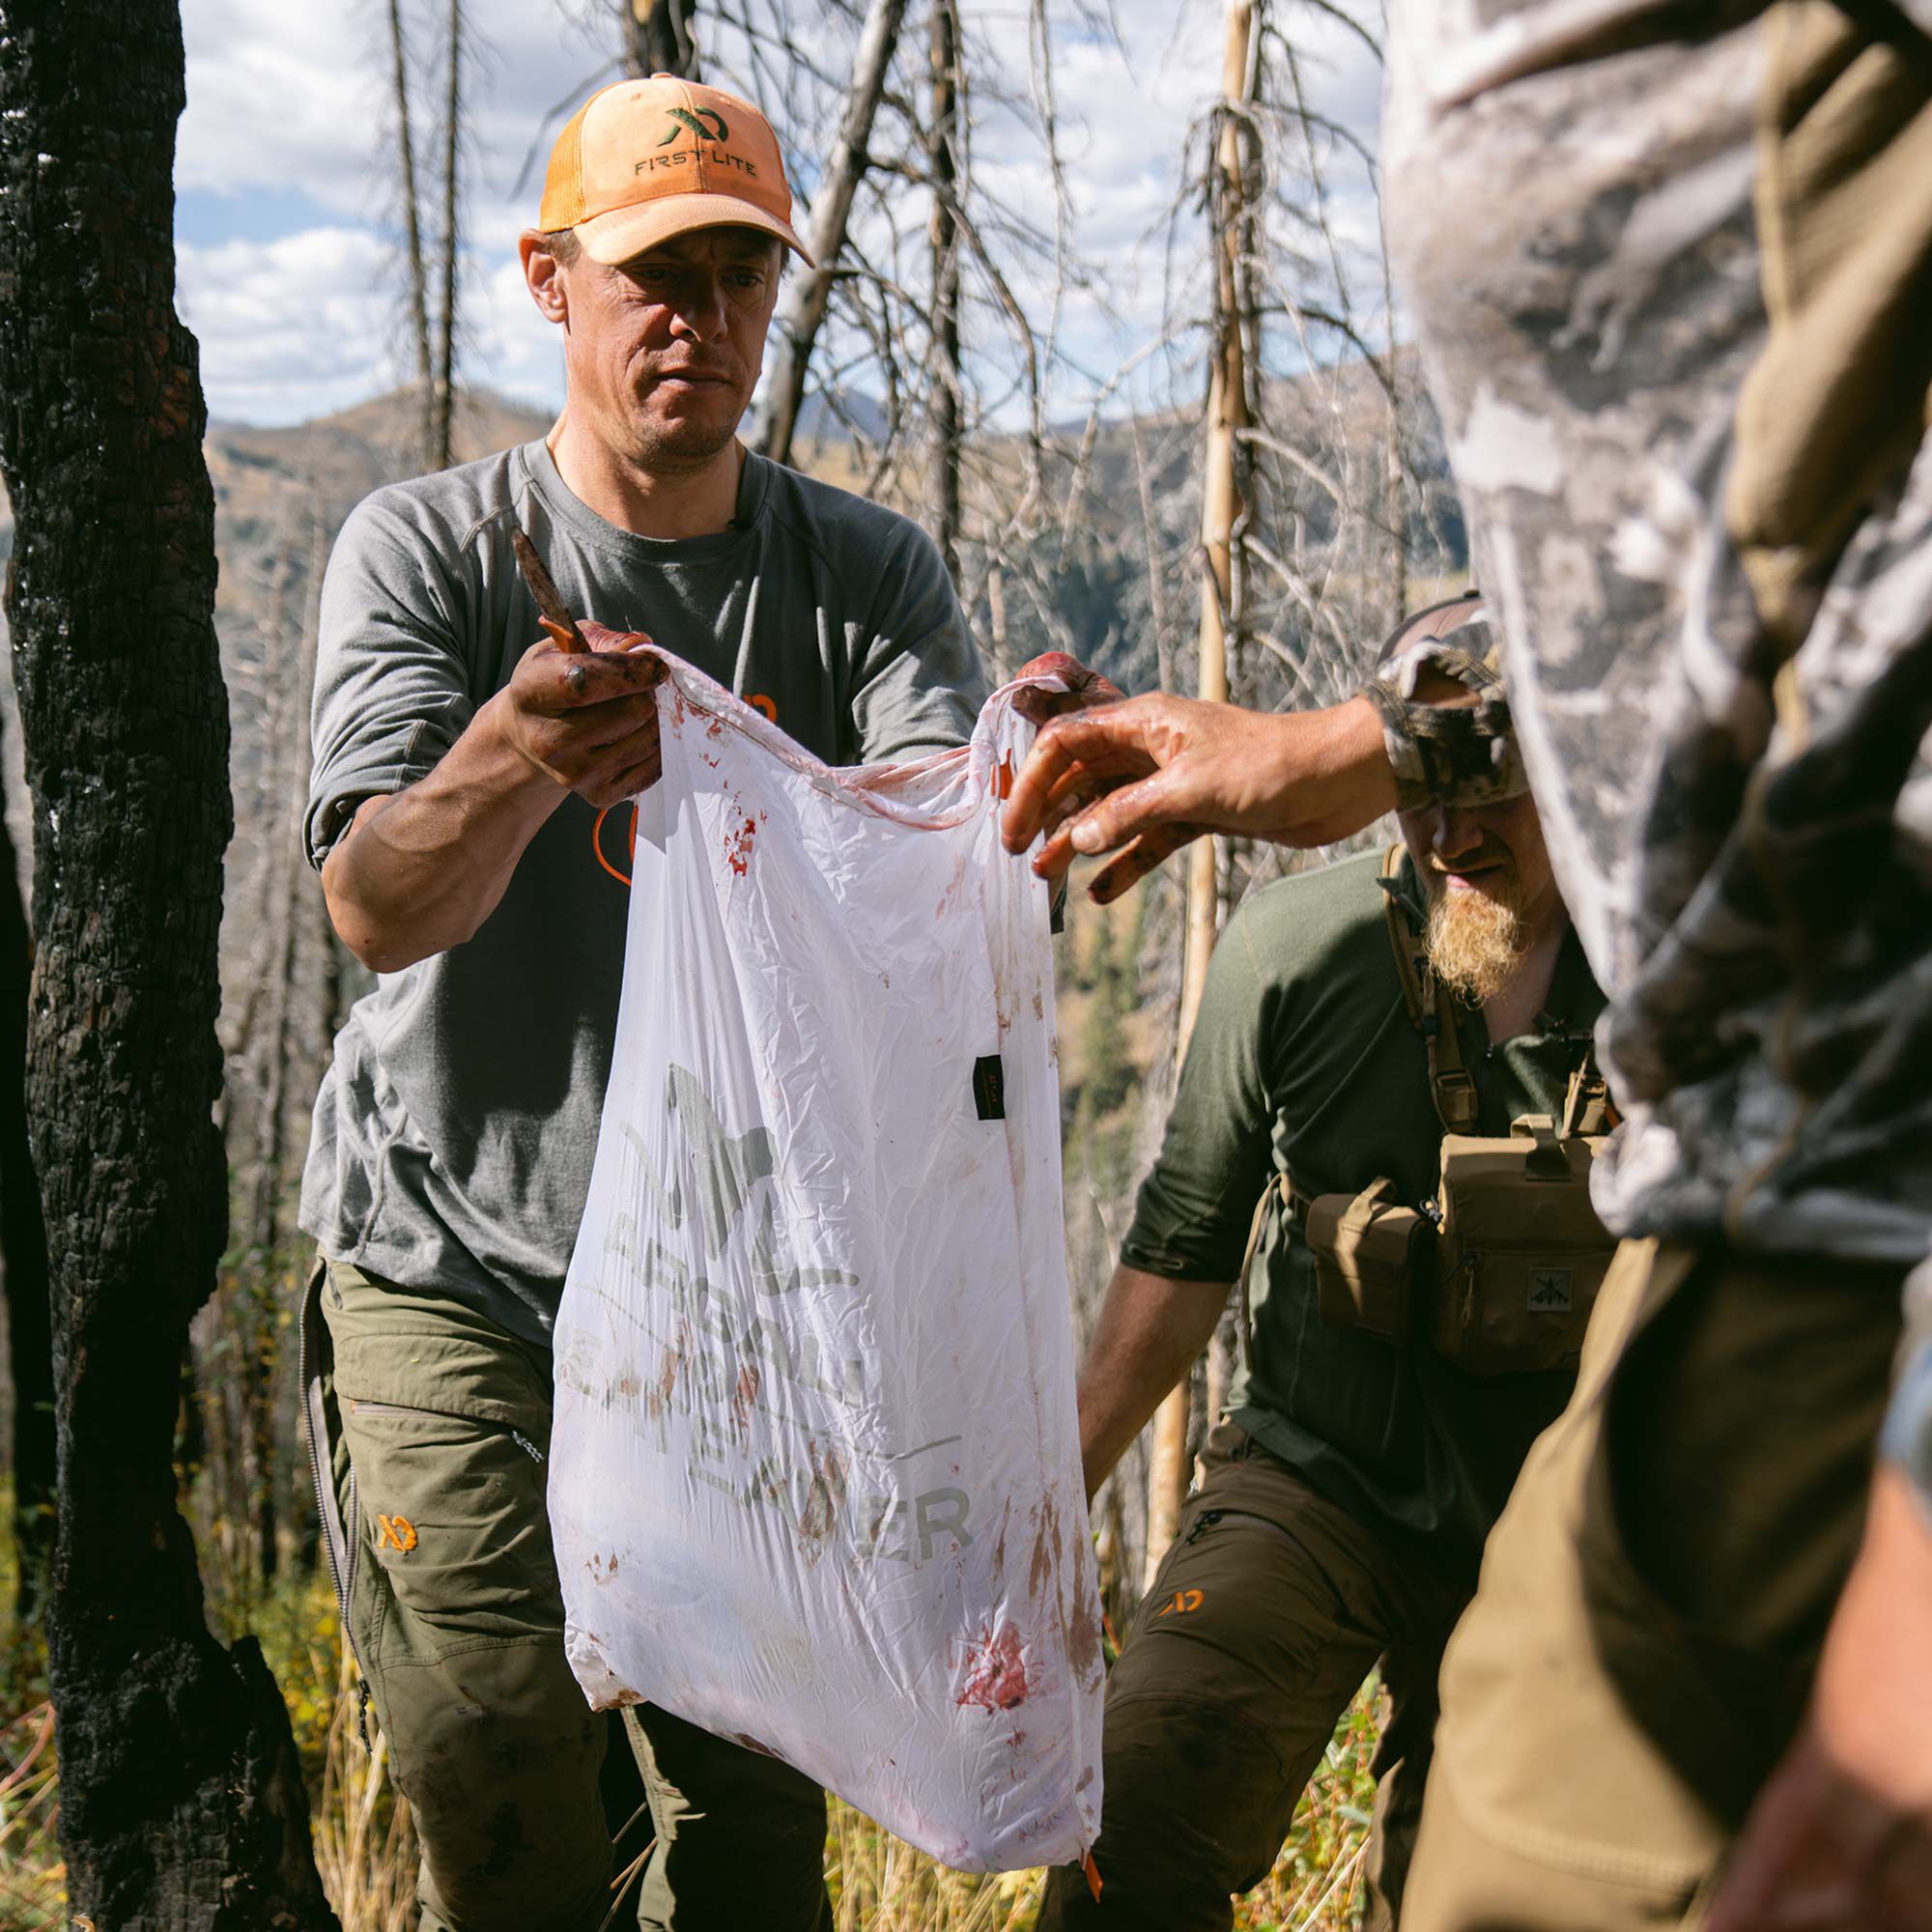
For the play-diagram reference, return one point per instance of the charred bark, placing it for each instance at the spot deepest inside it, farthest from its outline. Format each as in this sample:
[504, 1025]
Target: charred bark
[23, 1247]
[658, 37]
[947, 399]
[443, 388]
[413, 243]
[182, 1802]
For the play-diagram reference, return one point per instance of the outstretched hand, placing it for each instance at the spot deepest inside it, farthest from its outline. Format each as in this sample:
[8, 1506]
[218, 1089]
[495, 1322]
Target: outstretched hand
[1144, 776]
[1840, 1838]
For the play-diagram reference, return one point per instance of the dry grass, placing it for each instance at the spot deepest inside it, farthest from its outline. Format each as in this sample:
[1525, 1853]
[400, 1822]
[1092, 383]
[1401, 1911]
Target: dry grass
[32, 1877]
[367, 1854]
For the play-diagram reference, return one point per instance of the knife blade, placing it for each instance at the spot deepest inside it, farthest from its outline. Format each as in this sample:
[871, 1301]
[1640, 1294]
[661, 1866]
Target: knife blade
[558, 620]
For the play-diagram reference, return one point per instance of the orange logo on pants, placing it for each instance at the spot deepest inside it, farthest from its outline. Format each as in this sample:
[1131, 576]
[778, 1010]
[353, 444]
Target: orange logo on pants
[1180, 1604]
[395, 1532]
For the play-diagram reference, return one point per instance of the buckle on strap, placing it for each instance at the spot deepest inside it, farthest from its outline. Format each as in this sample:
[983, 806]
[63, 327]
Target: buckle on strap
[1456, 1097]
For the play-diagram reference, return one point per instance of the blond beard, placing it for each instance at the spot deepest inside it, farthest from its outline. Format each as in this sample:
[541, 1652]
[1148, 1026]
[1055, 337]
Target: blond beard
[1477, 940]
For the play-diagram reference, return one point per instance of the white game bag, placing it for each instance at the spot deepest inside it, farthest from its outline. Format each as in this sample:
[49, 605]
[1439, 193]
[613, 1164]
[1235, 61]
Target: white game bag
[814, 1476]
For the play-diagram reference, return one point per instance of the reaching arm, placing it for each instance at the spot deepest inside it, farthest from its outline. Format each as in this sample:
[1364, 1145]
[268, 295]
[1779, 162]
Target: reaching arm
[1142, 779]
[419, 869]
[1167, 769]
[1149, 1331]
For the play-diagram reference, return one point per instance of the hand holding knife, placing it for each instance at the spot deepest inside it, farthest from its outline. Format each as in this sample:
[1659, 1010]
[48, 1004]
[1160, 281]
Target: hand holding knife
[581, 691]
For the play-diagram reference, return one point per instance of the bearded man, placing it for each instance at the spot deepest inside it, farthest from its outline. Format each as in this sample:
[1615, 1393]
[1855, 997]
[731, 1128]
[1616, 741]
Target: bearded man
[1346, 1492]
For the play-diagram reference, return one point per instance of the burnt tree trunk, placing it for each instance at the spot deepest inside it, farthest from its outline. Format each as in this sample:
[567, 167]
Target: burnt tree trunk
[947, 397]
[442, 386]
[802, 308]
[23, 1245]
[412, 243]
[181, 1804]
[658, 36]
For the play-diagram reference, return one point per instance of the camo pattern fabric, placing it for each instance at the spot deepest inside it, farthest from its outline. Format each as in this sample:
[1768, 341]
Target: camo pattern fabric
[1741, 826]
[1465, 752]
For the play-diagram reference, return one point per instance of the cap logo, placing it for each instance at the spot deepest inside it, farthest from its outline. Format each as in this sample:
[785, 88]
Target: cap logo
[698, 123]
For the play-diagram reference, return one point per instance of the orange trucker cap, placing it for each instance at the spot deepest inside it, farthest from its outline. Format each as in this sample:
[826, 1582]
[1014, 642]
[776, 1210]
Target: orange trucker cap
[642, 161]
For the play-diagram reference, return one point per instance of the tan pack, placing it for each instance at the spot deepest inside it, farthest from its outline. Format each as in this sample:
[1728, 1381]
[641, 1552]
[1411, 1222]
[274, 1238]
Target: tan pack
[1501, 1269]
[1520, 1252]
[1369, 1252]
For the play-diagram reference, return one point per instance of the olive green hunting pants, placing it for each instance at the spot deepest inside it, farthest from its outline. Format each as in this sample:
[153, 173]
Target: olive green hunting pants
[431, 1425]
[1654, 1598]
[1268, 1612]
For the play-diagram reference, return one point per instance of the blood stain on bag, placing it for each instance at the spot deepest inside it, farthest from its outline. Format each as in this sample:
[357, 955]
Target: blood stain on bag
[742, 1396]
[996, 1678]
[823, 1499]
[738, 846]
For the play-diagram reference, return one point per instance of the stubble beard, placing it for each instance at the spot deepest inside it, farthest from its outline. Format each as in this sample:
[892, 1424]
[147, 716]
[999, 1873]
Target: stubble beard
[681, 445]
[1477, 939]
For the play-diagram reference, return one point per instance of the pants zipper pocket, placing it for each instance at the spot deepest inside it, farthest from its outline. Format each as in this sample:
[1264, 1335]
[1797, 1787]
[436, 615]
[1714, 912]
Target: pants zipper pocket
[1209, 1518]
[357, 1406]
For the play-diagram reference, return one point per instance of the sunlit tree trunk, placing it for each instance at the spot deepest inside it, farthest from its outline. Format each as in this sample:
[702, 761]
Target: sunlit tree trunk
[802, 308]
[1220, 512]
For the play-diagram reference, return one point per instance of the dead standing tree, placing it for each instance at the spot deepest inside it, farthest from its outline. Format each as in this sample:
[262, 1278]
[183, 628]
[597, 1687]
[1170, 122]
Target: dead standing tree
[415, 269]
[658, 36]
[1223, 508]
[182, 1802]
[433, 331]
[944, 376]
[802, 308]
[1317, 439]
[449, 241]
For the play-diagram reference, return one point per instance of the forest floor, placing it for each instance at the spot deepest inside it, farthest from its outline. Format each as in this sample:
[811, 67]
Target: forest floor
[366, 1850]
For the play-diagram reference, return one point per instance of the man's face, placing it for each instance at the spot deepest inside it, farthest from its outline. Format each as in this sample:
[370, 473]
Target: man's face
[1490, 890]
[662, 352]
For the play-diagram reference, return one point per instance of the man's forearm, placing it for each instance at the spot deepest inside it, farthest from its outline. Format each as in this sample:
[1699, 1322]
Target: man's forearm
[1149, 1331]
[421, 870]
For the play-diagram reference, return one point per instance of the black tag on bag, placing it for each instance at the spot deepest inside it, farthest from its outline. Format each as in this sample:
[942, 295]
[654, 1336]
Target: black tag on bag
[989, 1087]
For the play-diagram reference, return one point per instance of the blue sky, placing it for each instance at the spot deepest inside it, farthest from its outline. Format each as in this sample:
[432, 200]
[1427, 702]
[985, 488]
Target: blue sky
[286, 262]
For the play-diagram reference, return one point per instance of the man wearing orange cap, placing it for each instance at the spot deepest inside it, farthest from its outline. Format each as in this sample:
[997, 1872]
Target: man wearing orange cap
[471, 815]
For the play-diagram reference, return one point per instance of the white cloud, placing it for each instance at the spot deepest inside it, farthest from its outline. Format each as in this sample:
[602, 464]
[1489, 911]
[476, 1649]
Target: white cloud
[279, 97]
[289, 329]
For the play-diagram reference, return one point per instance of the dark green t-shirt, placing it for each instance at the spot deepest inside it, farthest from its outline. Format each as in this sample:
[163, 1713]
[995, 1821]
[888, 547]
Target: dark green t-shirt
[1303, 1061]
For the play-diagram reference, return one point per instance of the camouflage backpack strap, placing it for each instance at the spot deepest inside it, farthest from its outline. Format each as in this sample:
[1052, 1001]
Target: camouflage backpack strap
[1432, 1011]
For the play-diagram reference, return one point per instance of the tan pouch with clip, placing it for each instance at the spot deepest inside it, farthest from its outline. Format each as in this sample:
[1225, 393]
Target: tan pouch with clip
[1521, 1253]
[1369, 1253]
